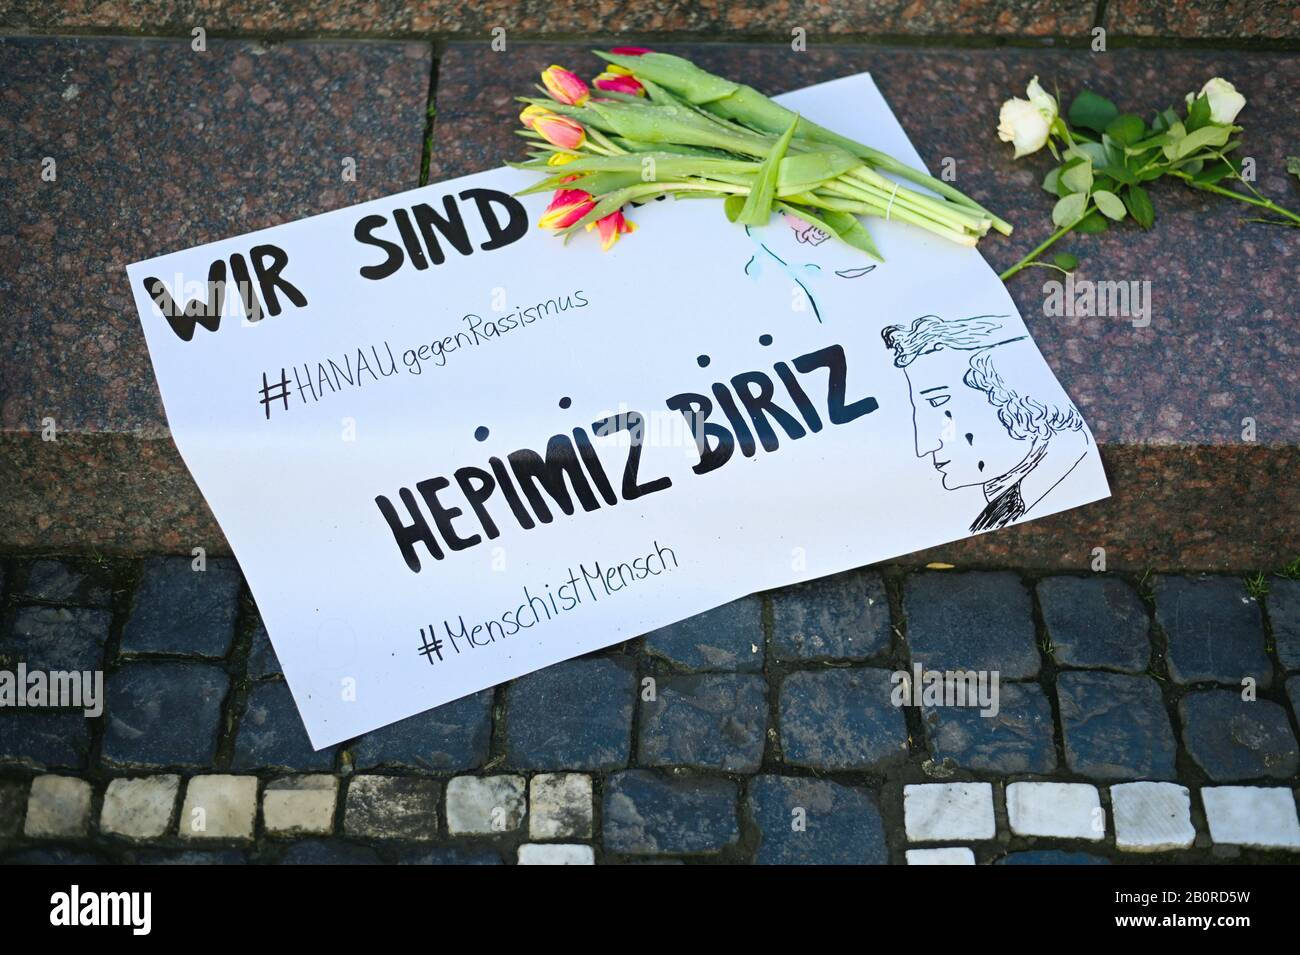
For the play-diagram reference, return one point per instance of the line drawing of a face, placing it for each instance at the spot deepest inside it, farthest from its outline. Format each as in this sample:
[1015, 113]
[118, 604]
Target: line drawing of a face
[1016, 439]
[955, 424]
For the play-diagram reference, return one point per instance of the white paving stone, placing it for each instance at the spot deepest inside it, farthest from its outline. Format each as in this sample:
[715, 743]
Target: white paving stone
[219, 807]
[559, 806]
[484, 805]
[58, 806]
[956, 855]
[1062, 810]
[1152, 817]
[300, 804]
[140, 808]
[942, 812]
[552, 853]
[1259, 816]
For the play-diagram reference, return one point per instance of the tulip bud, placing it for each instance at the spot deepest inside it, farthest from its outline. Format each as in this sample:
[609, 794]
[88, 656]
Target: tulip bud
[564, 86]
[555, 129]
[567, 207]
[610, 228]
[618, 82]
[630, 50]
[1225, 101]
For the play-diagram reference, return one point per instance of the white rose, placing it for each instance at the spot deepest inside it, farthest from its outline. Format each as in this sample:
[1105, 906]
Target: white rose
[1023, 123]
[1045, 102]
[1026, 123]
[1225, 101]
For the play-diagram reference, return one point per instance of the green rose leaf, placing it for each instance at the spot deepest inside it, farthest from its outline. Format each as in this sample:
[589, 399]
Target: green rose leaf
[1198, 114]
[1066, 261]
[1126, 129]
[1212, 135]
[1139, 205]
[1092, 111]
[1068, 210]
[1215, 170]
[1293, 165]
[1093, 223]
[1095, 152]
[1120, 174]
[1076, 175]
[1052, 183]
[1110, 204]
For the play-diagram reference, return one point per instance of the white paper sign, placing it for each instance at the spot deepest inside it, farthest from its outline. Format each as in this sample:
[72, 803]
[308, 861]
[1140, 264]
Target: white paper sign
[425, 453]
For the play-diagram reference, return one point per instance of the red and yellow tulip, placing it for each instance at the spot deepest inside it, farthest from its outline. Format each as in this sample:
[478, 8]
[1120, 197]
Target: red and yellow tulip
[555, 129]
[610, 228]
[616, 79]
[565, 86]
[567, 207]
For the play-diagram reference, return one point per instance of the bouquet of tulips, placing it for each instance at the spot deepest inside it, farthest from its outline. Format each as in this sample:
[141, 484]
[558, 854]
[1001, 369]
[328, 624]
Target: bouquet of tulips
[657, 125]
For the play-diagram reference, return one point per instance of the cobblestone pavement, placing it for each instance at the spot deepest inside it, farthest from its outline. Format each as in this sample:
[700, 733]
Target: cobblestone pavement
[763, 731]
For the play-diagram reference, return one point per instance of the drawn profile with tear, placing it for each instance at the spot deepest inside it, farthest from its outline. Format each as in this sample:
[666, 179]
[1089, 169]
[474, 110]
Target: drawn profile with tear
[1014, 437]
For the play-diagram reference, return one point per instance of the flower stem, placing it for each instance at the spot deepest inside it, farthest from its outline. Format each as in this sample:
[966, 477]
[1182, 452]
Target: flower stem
[1043, 247]
[1268, 204]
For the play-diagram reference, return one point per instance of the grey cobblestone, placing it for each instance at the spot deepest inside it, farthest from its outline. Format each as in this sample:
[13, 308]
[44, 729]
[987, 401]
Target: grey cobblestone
[1232, 739]
[162, 714]
[841, 617]
[392, 807]
[1115, 726]
[1214, 628]
[1283, 603]
[188, 857]
[711, 721]
[54, 581]
[272, 736]
[42, 740]
[806, 821]
[262, 661]
[841, 719]
[329, 852]
[1095, 622]
[13, 807]
[452, 737]
[971, 621]
[574, 715]
[729, 637]
[57, 638]
[1019, 739]
[1052, 857]
[451, 855]
[646, 813]
[55, 855]
[179, 610]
